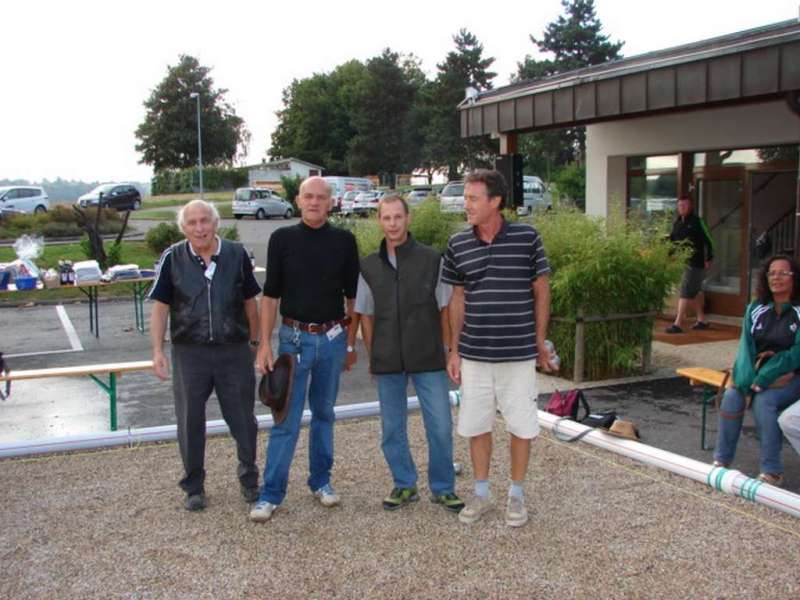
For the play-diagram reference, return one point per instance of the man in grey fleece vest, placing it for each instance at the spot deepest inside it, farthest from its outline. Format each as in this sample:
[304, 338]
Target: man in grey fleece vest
[400, 299]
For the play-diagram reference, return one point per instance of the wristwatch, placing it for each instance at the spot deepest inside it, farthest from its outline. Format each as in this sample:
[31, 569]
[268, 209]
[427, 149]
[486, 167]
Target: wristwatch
[254, 343]
[350, 349]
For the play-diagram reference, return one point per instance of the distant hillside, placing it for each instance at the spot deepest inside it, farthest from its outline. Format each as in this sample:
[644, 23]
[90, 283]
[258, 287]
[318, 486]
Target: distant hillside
[62, 190]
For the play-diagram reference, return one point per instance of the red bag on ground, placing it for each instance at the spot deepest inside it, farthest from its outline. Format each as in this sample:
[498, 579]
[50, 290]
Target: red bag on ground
[567, 404]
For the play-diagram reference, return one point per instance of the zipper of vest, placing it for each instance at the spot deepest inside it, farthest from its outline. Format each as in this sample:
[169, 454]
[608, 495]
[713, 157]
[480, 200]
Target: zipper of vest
[210, 314]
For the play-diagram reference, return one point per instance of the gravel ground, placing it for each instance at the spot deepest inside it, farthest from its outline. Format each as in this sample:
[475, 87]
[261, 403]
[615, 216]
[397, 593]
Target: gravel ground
[110, 524]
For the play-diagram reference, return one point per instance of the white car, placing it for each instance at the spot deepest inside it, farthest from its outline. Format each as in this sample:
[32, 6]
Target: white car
[452, 197]
[418, 195]
[535, 196]
[348, 201]
[366, 202]
[260, 203]
[24, 198]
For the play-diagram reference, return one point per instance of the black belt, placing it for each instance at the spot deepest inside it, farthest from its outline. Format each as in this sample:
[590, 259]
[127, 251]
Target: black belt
[315, 328]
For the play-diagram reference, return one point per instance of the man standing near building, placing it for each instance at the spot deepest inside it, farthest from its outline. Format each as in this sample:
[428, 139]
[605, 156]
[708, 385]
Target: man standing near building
[206, 286]
[499, 314]
[688, 226]
[402, 304]
[312, 270]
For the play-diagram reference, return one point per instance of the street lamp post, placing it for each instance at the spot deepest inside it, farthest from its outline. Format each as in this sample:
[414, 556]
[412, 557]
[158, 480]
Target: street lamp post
[196, 96]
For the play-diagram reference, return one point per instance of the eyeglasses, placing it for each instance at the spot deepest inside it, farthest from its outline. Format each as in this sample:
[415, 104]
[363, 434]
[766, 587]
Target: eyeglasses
[780, 273]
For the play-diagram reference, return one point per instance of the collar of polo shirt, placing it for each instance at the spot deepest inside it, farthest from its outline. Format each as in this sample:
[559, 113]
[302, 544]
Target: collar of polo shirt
[216, 253]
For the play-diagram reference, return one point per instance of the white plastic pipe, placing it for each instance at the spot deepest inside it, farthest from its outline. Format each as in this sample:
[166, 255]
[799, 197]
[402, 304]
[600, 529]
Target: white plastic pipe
[161, 433]
[729, 481]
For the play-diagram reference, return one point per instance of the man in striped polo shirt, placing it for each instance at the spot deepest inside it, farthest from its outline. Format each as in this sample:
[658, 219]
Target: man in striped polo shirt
[499, 313]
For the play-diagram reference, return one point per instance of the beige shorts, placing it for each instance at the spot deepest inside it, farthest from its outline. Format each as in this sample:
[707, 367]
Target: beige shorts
[509, 387]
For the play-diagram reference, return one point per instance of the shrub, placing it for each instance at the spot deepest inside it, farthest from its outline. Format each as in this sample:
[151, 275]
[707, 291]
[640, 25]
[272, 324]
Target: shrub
[600, 270]
[162, 236]
[114, 254]
[229, 233]
[184, 181]
[291, 188]
[60, 221]
[570, 183]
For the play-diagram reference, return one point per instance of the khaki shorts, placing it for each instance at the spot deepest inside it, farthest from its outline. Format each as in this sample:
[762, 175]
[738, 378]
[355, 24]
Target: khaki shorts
[509, 387]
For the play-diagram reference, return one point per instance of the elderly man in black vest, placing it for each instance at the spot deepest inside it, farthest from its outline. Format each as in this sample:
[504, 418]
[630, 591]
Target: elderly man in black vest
[206, 286]
[402, 304]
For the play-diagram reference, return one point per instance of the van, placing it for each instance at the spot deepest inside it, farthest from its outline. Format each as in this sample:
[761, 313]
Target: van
[534, 196]
[341, 185]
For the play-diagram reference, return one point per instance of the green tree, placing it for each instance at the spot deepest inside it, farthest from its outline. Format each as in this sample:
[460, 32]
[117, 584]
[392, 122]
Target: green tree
[382, 116]
[315, 121]
[574, 40]
[168, 135]
[444, 147]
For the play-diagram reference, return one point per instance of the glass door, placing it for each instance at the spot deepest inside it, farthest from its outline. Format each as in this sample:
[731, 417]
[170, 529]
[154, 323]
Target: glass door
[721, 203]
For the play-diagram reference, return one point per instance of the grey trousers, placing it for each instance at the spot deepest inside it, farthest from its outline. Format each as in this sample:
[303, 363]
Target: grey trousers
[227, 369]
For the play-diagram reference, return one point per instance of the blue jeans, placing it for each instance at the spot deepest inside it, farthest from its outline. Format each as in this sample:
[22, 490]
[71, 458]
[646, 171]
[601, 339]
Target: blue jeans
[767, 406]
[321, 360]
[433, 393]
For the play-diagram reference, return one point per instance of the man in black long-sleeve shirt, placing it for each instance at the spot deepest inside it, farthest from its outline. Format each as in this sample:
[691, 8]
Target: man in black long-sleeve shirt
[688, 226]
[312, 269]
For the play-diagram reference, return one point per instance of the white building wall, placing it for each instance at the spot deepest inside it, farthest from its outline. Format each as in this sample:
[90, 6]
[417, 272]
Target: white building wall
[607, 144]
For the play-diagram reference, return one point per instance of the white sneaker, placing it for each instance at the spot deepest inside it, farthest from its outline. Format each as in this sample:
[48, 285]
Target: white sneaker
[262, 511]
[326, 496]
[475, 509]
[516, 513]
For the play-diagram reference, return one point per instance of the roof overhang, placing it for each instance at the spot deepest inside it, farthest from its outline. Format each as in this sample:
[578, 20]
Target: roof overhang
[749, 66]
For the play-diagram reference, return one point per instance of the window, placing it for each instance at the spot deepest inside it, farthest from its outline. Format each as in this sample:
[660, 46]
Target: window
[652, 184]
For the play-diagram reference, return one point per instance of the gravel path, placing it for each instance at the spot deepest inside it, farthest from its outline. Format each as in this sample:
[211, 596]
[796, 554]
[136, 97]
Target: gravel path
[110, 524]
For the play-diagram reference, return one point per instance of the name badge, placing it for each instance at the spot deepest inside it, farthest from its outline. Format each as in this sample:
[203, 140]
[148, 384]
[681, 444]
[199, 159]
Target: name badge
[210, 269]
[334, 331]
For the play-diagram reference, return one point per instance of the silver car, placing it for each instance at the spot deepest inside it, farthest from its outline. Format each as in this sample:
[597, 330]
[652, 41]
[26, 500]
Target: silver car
[260, 203]
[24, 198]
[452, 197]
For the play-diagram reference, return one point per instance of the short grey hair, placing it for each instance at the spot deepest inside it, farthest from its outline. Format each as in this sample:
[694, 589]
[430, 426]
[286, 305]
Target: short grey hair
[198, 202]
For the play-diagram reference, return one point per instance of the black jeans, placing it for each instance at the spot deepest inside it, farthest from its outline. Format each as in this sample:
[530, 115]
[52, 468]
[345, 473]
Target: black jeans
[228, 370]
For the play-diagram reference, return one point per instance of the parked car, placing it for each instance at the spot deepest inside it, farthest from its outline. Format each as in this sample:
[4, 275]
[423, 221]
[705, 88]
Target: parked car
[341, 185]
[418, 195]
[452, 197]
[5, 213]
[348, 201]
[366, 203]
[120, 196]
[260, 203]
[24, 198]
[535, 196]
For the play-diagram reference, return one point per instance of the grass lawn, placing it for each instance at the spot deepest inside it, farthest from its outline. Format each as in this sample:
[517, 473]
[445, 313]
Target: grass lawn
[224, 208]
[132, 252]
[181, 199]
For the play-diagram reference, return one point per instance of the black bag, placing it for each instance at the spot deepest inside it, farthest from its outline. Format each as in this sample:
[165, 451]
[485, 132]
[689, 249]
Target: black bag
[602, 420]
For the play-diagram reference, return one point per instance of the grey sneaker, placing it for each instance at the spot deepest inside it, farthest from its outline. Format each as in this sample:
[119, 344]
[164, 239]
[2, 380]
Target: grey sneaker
[262, 511]
[195, 502]
[475, 509]
[516, 513]
[326, 496]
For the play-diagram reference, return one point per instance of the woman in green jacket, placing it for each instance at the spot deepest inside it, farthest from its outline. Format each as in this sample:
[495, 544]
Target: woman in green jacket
[771, 338]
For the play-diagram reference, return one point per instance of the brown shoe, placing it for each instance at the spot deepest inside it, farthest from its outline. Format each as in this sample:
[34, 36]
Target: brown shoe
[775, 479]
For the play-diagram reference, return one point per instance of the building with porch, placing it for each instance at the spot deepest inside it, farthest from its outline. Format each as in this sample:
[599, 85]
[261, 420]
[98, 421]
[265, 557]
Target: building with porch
[268, 174]
[717, 119]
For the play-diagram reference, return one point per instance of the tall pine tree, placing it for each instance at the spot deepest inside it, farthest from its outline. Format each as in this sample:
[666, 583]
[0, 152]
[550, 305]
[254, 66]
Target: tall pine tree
[574, 40]
[444, 147]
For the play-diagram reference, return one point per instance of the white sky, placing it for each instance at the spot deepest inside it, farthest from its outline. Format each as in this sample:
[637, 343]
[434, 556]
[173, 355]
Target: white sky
[74, 74]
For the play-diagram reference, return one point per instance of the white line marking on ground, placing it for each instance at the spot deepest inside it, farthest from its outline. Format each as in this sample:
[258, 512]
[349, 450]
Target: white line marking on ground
[43, 352]
[74, 340]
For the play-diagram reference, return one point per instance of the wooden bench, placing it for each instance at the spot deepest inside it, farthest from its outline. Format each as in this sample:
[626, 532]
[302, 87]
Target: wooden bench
[113, 370]
[710, 379]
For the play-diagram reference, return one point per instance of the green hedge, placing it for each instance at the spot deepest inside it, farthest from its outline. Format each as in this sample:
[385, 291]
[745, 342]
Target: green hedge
[60, 221]
[598, 268]
[185, 181]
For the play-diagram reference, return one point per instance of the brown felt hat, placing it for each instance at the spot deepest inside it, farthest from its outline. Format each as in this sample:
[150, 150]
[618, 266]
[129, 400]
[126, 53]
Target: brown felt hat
[624, 429]
[275, 389]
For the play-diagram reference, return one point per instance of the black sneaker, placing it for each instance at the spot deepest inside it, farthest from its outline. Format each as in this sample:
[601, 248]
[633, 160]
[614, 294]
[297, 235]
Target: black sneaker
[701, 325]
[399, 497]
[449, 502]
[673, 329]
[195, 502]
[250, 494]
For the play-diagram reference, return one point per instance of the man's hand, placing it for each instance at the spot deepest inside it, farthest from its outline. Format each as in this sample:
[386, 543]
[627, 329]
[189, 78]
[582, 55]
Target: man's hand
[544, 358]
[454, 367]
[350, 359]
[160, 365]
[264, 359]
